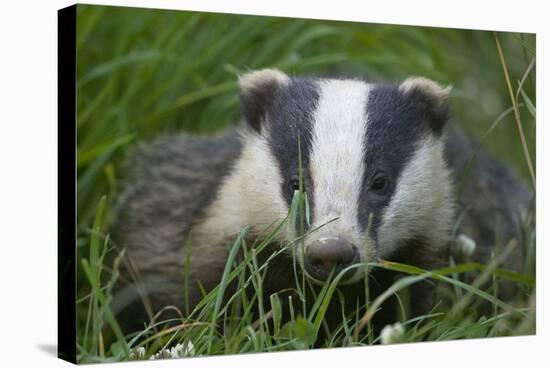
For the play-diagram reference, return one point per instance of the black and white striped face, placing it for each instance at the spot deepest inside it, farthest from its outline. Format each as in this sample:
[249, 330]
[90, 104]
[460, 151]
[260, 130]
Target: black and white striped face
[372, 156]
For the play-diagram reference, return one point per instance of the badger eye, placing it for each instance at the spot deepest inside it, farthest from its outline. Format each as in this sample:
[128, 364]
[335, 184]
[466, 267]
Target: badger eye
[379, 183]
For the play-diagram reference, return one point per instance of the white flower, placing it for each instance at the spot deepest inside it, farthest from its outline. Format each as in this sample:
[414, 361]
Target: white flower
[392, 334]
[137, 353]
[175, 352]
[465, 246]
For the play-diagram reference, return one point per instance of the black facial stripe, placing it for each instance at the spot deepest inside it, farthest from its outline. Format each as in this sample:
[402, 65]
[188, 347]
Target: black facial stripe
[395, 125]
[290, 117]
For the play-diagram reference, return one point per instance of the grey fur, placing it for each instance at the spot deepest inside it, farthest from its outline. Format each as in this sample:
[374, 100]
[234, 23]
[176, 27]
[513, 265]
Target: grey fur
[492, 202]
[175, 179]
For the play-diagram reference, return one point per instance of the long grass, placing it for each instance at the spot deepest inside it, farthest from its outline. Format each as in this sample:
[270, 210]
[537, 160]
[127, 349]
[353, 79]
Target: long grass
[143, 73]
[238, 320]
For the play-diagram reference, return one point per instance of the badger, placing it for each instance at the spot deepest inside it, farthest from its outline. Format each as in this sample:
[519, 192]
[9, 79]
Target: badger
[380, 165]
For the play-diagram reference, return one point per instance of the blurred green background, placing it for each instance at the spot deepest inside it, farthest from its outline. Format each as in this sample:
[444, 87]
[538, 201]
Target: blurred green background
[143, 72]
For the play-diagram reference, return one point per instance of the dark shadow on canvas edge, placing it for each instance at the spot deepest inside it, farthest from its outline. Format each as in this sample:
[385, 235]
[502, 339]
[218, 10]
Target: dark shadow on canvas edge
[50, 349]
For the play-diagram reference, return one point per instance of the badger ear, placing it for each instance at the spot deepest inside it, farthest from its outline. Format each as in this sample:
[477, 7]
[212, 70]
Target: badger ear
[431, 97]
[257, 91]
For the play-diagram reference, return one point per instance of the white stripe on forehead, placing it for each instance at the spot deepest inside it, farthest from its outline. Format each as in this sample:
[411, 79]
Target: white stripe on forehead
[338, 151]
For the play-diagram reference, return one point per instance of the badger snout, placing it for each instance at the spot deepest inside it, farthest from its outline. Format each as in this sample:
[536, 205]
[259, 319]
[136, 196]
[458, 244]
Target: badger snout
[327, 254]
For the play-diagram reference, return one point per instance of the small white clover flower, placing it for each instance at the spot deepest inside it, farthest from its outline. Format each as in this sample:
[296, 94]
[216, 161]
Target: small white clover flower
[137, 353]
[392, 334]
[180, 350]
[162, 354]
[465, 246]
[175, 352]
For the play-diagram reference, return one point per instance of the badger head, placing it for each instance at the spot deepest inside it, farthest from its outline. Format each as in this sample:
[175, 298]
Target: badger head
[372, 158]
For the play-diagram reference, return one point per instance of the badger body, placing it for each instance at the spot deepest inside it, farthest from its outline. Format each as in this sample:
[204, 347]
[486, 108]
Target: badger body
[381, 166]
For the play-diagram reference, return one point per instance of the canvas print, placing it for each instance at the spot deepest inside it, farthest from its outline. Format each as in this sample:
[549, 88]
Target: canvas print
[252, 184]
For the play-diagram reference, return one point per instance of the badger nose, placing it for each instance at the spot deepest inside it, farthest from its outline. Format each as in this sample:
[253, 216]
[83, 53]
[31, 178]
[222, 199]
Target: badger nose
[326, 254]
